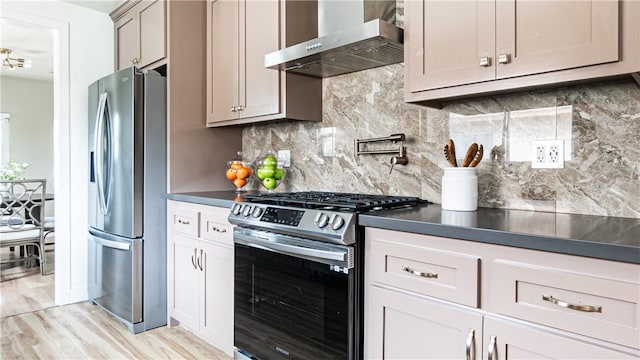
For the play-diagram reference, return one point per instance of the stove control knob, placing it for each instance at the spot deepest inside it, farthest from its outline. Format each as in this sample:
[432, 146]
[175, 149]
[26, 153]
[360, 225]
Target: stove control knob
[246, 210]
[236, 209]
[336, 222]
[321, 220]
[257, 212]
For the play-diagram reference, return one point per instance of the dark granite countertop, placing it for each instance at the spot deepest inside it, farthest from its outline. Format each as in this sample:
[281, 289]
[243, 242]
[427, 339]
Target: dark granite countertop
[222, 198]
[602, 237]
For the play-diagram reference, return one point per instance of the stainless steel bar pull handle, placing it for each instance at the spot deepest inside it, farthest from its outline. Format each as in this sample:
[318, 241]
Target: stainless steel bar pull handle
[429, 275]
[113, 244]
[184, 222]
[471, 344]
[492, 347]
[200, 260]
[504, 59]
[485, 61]
[218, 229]
[193, 258]
[578, 307]
[99, 152]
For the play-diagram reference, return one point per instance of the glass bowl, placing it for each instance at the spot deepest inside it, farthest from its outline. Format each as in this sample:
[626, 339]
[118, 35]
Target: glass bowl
[239, 173]
[269, 172]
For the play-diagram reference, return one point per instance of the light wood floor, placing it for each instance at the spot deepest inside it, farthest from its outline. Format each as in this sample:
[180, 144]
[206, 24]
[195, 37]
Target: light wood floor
[23, 289]
[32, 327]
[85, 331]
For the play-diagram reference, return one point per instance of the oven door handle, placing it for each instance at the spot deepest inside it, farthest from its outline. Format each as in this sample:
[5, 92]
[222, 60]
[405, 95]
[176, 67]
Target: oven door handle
[263, 244]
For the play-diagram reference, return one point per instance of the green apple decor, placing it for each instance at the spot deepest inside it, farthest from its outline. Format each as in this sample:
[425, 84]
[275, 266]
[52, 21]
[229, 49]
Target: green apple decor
[269, 172]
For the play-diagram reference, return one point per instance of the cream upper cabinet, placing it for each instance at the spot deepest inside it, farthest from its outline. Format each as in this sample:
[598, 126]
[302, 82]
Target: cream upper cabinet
[240, 33]
[223, 60]
[140, 35]
[152, 31]
[461, 48]
[446, 41]
[538, 36]
[239, 88]
[126, 36]
[259, 90]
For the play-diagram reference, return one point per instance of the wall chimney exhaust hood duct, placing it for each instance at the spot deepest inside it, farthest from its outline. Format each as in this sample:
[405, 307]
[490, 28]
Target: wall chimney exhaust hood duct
[353, 35]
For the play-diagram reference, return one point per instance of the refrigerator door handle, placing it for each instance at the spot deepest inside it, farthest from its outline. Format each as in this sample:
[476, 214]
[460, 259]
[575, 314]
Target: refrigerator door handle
[113, 244]
[99, 152]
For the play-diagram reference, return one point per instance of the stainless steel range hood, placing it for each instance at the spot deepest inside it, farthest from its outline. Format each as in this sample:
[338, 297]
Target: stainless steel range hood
[353, 36]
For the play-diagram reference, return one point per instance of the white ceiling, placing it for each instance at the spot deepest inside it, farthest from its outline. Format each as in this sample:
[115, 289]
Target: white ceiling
[105, 6]
[36, 43]
[28, 42]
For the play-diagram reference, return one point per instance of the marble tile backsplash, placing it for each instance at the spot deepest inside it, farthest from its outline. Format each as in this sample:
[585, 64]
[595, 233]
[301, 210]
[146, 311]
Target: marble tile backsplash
[599, 123]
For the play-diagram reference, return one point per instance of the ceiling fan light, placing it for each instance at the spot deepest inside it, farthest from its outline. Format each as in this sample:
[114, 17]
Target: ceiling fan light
[13, 63]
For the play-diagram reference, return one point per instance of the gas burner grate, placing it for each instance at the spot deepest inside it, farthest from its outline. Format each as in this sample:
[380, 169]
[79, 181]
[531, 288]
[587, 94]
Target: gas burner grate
[335, 201]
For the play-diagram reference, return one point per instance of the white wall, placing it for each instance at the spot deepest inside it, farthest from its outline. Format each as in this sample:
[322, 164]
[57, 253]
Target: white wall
[30, 104]
[84, 43]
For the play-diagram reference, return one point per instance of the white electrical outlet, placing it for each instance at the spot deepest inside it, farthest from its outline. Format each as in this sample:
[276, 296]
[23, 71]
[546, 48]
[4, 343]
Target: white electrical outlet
[284, 158]
[547, 154]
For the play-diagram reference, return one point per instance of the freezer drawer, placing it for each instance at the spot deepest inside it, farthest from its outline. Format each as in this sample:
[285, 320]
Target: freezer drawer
[115, 275]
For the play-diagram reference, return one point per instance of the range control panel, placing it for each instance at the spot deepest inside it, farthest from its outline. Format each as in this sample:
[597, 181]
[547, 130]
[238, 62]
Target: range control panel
[325, 225]
[282, 216]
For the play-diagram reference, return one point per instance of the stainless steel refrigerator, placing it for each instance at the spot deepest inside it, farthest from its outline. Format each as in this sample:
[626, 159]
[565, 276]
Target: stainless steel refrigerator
[127, 197]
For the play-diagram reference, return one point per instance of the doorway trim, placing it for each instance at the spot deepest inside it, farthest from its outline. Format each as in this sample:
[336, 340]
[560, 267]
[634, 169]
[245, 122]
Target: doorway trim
[61, 146]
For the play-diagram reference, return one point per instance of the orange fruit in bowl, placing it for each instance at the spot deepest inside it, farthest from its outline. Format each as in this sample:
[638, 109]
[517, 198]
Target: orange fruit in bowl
[239, 182]
[243, 172]
[232, 174]
[236, 165]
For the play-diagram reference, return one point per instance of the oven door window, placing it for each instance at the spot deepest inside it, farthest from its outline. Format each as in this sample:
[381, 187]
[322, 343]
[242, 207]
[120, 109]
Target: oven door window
[290, 308]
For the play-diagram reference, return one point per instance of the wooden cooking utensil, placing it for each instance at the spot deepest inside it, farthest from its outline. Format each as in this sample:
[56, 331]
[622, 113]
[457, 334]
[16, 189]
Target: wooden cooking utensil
[471, 153]
[477, 157]
[452, 153]
[447, 155]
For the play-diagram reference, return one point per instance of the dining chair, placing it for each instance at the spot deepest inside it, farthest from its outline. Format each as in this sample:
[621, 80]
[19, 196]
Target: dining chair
[49, 228]
[22, 218]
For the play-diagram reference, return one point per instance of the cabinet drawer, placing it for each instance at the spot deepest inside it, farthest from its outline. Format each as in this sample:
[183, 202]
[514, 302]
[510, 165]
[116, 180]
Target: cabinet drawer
[441, 274]
[186, 221]
[215, 227]
[589, 304]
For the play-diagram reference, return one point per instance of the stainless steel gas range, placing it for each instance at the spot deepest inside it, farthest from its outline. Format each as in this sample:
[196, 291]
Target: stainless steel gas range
[299, 274]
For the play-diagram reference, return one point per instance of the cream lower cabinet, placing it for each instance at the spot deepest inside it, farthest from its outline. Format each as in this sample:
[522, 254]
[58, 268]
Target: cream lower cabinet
[505, 340]
[405, 326]
[200, 272]
[437, 298]
[185, 297]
